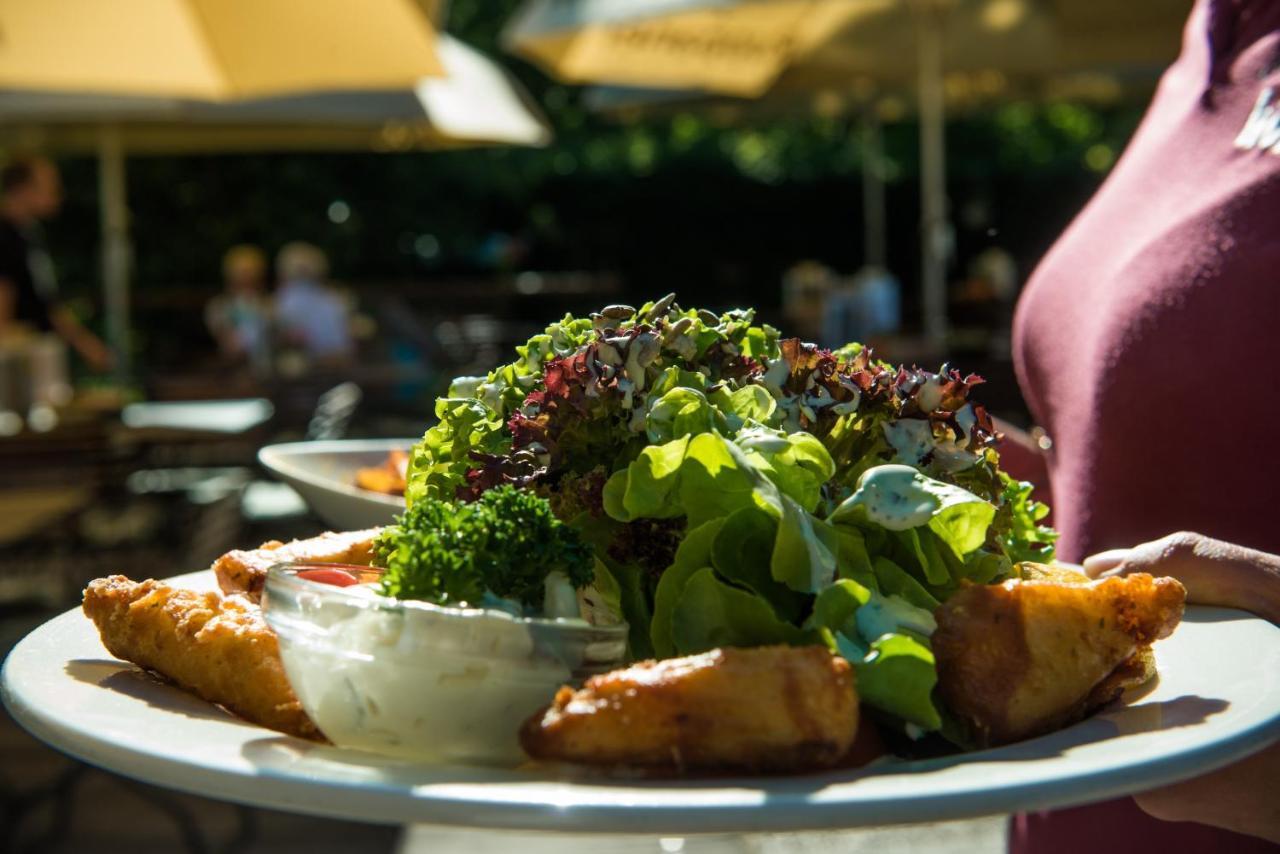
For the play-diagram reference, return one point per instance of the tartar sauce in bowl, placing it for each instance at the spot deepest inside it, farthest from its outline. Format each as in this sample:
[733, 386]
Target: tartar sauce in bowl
[417, 680]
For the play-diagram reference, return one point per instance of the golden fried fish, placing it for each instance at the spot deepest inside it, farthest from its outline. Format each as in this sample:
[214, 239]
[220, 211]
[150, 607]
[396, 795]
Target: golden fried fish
[774, 708]
[1022, 658]
[246, 571]
[216, 647]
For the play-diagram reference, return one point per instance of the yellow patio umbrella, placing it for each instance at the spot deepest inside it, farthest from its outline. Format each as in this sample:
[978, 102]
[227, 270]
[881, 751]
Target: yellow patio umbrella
[214, 49]
[738, 48]
[868, 46]
[475, 103]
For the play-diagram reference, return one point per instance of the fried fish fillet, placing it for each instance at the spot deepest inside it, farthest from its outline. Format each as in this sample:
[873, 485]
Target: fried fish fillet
[1059, 572]
[775, 708]
[246, 571]
[216, 647]
[1022, 658]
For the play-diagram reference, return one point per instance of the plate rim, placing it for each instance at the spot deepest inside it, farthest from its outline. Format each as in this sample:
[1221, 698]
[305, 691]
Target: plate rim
[774, 805]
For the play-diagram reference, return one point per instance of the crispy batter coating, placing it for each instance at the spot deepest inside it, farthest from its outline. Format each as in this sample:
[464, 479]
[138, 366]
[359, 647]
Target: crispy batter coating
[1060, 572]
[216, 647]
[246, 571]
[776, 708]
[1022, 658]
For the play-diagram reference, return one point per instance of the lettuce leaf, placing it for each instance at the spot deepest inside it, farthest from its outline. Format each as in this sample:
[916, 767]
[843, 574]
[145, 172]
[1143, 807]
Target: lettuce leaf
[706, 477]
[716, 481]
[710, 613]
[897, 676]
[742, 553]
[634, 597]
[439, 462]
[893, 580]
[748, 404]
[895, 668]
[804, 553]
[647, 489]
[1022, 535]
[693, 554]
[836, 607]
[796, 462]
[681, 412]
[853, 560]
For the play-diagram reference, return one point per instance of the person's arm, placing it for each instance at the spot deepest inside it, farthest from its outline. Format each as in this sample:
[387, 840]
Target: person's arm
[89, 346]
[1214, 572]
[1240, 797]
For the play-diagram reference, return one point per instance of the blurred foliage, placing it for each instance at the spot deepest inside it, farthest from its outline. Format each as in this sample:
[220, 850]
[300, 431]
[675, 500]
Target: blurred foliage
[675, 202]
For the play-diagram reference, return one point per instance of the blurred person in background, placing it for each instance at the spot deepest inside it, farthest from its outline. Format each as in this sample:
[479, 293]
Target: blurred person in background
[311, 316]
[31, 192]
[239, 318]
[805, 288]
[1143, 344]
[864, 308]
[988, 294]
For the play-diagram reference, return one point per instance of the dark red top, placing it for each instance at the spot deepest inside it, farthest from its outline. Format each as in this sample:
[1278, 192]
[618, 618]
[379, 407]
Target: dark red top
[1148, 346]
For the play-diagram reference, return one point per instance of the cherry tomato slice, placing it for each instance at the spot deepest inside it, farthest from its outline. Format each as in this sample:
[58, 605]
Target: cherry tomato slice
[336, 577]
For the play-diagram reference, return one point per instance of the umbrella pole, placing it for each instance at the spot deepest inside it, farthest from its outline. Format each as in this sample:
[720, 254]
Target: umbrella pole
[113, 211]
[873, 206]
[934, 232]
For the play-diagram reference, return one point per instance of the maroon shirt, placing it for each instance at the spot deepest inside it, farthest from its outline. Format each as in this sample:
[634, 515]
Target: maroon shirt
[1148, 347]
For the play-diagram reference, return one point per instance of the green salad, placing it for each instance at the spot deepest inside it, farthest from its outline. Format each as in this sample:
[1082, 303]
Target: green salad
[737, 488]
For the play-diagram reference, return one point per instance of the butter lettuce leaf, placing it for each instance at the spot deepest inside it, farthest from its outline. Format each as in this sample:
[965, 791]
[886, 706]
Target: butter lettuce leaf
[796, 462]
[742, 553]
[898, 676]
[694, 554]
[710, 613]
[885, 639]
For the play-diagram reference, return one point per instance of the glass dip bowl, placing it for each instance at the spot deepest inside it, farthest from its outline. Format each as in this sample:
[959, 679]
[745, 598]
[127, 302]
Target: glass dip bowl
[421, 681]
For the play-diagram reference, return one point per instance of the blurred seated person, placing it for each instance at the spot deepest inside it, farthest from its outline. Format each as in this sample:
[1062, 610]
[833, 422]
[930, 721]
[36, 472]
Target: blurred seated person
[311, 317]
[30, 192]
[805, 288]
[239, 318]
[863, 308]
[987, 297]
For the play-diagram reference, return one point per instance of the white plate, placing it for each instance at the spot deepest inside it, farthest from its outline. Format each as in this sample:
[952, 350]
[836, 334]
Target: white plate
[324, 474]
[201, 416]
[1218, 699]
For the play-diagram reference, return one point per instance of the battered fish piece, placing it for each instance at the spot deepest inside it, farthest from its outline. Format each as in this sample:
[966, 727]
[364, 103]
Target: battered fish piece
[1057, 572]
[1023, 658]
[216, 647]
[775, 708]
[246, 571]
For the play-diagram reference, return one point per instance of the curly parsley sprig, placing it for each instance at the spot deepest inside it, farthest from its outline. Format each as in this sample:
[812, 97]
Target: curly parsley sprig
[505, 543]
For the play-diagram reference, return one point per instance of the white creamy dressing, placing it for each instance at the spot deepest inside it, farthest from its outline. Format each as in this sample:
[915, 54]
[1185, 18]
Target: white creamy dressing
[911, 439]
[929, 396]
[891, 497]
[422, 685]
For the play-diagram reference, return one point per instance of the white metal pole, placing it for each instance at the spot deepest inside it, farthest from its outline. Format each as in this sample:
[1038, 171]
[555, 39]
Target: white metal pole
[934, 232]
[116, 252]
